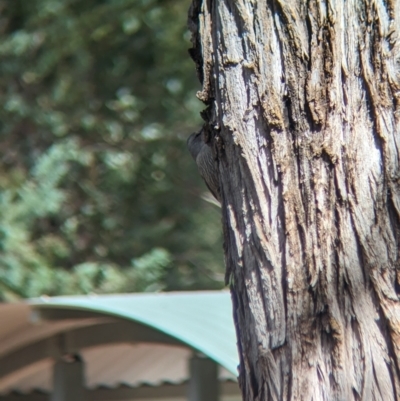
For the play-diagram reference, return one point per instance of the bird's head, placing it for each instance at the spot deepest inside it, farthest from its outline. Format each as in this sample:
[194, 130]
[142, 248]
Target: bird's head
[195, 143]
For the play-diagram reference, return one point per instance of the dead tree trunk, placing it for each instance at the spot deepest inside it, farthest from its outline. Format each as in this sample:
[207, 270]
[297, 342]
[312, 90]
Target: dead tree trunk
[303, 118]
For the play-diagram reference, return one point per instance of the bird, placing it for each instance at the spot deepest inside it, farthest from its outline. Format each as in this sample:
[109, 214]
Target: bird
[206, 164]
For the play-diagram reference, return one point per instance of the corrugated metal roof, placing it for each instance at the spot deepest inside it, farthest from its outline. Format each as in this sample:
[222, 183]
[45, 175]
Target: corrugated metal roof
[111, 366]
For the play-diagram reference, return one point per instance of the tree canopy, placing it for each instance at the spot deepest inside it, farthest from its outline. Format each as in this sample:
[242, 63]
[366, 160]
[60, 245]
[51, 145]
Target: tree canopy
[98, 192]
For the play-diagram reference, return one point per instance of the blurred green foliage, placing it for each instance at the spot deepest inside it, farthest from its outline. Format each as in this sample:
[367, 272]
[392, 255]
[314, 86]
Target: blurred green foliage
[98, 193]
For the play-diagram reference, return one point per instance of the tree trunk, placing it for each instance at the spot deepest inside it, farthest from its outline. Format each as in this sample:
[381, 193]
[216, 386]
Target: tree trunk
[303, 119]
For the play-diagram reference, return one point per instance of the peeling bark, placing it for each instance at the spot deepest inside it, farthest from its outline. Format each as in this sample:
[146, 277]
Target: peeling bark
[303, 118]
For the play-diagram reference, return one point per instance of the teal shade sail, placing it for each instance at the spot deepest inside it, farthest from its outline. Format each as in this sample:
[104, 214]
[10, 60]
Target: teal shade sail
[200, 320]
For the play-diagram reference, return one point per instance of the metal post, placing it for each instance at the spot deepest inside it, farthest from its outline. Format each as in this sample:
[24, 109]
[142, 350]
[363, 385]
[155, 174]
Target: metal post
[203, 382]
[68, 379]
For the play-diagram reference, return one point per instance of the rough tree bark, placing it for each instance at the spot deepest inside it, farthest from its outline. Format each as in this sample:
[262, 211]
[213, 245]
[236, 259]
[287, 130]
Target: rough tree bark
[303, 118]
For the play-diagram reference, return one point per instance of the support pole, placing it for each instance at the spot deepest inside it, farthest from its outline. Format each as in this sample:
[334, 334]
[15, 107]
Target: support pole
[203, 382]
[68, 379]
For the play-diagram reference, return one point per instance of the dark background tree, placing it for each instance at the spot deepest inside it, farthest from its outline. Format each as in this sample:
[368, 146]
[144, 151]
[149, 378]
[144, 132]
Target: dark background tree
[98, 192]
[303, 119]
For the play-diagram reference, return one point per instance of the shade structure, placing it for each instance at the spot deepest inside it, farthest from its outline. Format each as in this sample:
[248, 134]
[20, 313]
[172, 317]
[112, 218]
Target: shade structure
[201, 320]
[197, 321]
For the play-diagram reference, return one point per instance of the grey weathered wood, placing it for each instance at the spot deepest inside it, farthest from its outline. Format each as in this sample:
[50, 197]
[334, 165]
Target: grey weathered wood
[68, 380]
[303, 117]
[203, 381]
